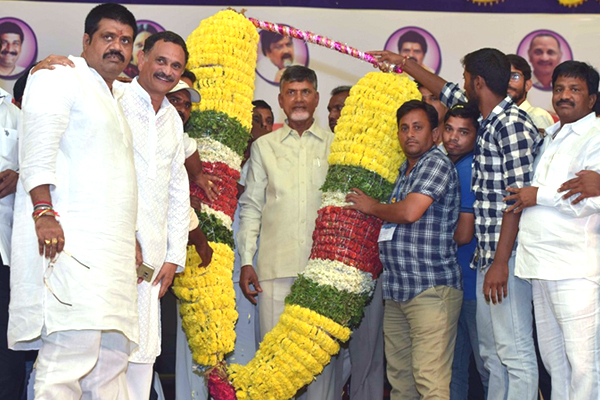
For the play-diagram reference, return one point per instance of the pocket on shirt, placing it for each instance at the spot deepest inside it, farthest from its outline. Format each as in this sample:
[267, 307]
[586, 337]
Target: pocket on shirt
[319, 170]
[9, 148]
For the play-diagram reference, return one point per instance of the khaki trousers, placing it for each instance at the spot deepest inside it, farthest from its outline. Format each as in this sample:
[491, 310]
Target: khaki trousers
[419, 337]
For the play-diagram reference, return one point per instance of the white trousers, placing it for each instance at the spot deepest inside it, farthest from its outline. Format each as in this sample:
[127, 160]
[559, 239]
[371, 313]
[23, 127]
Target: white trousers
[87, 364]
[567, 315]
[271, 304]
[139, 381]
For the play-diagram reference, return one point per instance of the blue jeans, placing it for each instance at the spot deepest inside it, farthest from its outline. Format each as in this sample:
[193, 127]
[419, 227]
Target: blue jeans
[505, 333]
[467, 343]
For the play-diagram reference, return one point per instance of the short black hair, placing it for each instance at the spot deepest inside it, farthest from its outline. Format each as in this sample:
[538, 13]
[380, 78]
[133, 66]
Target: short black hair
[190, 75]
[262, 104]
[520, 64]
[340, 89]
[539, 35]
[411, 105]
[11, 27]
[412, 37]
[267, 38]
[167, 36]
[492, 65]
[298, 73]
[19, 87]
[464, 111]
[113, 11]
[578, 69]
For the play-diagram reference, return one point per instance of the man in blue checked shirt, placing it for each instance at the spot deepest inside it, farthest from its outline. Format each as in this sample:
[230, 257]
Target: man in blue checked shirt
[421, 278]
[507, 142]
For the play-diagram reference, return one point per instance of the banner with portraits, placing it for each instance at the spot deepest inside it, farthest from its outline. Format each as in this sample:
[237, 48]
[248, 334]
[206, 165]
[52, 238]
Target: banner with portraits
[438, 40]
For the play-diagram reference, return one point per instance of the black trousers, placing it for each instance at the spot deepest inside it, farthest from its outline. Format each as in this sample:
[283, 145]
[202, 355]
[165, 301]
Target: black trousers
[12, 363]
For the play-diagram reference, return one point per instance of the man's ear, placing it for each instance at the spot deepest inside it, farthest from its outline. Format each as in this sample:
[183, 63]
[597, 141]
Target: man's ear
[435, 133]
[593, 98]
[479, 82]
[86, 41]
[141, 59]
[528, 85]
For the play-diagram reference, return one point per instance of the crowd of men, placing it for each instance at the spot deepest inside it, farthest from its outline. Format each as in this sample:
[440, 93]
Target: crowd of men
[494, 218]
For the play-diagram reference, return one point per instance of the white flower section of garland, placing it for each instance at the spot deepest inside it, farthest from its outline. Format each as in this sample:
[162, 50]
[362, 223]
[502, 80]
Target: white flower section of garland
[213, 151]
[340, 276]
[220, 215]
[336, 199]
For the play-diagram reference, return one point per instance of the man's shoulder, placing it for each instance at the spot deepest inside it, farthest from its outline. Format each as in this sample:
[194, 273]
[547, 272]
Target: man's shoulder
[512, 117]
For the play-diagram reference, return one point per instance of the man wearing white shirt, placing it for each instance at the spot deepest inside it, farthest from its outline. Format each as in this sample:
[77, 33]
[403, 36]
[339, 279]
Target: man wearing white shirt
[281, 200]
[520, 83]
[73, 284]
[559, 240]
[12, 363]
[164, 205]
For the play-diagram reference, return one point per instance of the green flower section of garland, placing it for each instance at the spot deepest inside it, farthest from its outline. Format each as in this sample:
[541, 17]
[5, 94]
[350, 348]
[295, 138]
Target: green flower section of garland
[342, 178]
[214, 229]
[343, 307]
[219, 126]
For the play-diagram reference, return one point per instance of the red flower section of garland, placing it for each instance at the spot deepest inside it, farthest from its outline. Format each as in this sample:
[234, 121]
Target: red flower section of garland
[219, 386]
[347, 236]
[227, 187]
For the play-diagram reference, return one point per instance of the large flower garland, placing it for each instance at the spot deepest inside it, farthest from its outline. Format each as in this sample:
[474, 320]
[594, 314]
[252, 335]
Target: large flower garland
[223, 58]
[330, 295]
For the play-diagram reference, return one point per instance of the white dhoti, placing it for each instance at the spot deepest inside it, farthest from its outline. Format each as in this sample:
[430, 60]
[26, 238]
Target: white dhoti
[82, 365]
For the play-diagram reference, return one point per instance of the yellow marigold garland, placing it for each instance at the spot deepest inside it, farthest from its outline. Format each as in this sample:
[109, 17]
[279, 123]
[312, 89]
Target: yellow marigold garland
[296, 350]
[223, 58]
[208, 304]
[378, 93]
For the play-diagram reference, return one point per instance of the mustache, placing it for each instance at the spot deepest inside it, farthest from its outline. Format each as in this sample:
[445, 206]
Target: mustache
[286, 55]
[12, 53]
[114, 53]
[162, 75]
[565, 101]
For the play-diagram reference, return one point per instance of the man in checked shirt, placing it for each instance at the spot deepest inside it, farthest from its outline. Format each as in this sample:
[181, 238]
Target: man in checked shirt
[507, 143]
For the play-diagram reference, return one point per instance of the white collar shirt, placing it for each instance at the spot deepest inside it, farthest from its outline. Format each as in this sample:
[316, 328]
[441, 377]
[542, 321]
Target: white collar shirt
[73, 137]
[557, 239]
[9, 115]
[282, 196]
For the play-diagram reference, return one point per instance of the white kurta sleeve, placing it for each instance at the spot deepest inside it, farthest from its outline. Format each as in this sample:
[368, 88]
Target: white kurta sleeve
[178, 214]
[251, 203]
[190, 145]
[48, 99]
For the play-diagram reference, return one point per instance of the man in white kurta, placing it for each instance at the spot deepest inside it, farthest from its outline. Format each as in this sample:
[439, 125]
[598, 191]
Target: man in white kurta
[164, 205]
[559, 242]
[76, 145]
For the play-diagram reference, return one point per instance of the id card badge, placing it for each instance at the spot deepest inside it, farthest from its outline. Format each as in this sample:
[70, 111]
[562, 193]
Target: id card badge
[386, 233]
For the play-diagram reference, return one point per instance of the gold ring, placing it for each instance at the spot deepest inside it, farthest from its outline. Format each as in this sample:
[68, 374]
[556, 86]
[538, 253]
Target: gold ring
[54, 240]
[47, 241]
[61, 239]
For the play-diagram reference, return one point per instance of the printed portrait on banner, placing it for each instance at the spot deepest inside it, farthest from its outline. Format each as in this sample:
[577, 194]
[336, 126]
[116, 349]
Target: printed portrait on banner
[418, 44]
[276, 53]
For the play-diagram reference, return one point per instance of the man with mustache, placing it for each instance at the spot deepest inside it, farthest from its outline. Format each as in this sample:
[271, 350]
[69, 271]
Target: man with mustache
[421, 277]
[11, 40]
[558, 240]
[520, 83]
[544, 55]
[286, 171]
[507, 142]
[74, 282]
[163, 190]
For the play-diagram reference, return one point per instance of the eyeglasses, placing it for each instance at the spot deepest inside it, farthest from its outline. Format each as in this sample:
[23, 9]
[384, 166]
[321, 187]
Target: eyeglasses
[516, 76]
[50, 270]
